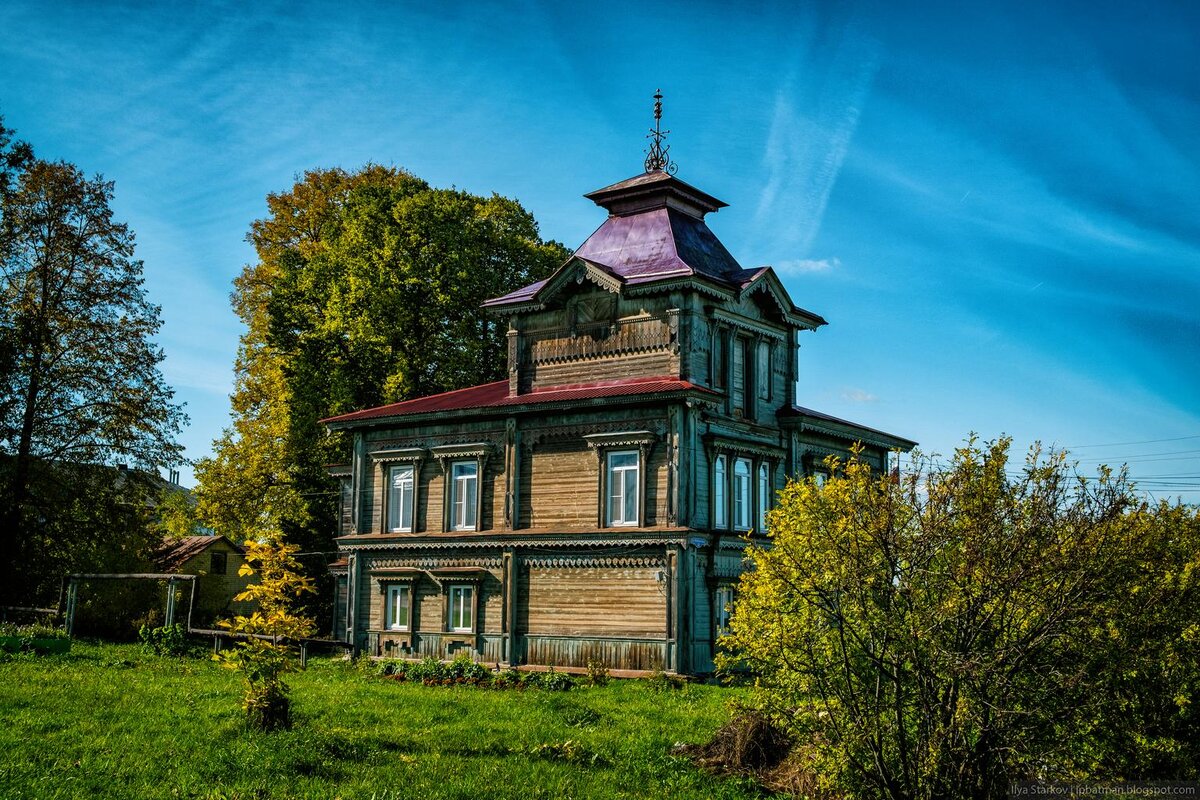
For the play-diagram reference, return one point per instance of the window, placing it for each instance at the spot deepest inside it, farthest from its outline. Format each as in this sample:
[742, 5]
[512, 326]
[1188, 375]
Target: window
[720, 358]
[722, 601]
[720, 493]
[400, 498]
[738, 395]
[464, 485]
[764, 496]
[398, 607]
[219, 564]
[764, 370]
[622, 474]
[462, 608]
[741, 494]
[749, 379]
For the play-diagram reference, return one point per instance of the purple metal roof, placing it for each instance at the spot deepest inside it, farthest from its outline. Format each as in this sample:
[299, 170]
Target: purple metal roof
[658, 244]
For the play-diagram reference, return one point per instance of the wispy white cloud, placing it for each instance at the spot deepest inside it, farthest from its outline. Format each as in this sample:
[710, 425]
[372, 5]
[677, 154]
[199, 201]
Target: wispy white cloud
[853, 395]
[812, 126]
[802, 266]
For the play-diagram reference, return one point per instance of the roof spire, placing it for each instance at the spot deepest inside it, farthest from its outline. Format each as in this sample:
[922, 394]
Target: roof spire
[656, 157]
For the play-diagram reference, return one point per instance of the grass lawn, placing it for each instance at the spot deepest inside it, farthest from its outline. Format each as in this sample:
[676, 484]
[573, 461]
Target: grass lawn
[113, 721]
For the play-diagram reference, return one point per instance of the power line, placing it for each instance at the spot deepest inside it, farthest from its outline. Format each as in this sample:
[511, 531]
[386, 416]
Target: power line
[1124, 444]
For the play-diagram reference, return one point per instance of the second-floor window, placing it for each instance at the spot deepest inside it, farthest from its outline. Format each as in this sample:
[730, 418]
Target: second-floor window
[400, 498]
[763, 351]
[464, 477]
[741, 494]
[219, 564]
[720, 493]
[622, 482]
[398, 607]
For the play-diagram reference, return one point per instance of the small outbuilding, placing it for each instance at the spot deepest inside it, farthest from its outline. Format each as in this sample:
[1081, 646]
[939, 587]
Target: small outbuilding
[217, 561]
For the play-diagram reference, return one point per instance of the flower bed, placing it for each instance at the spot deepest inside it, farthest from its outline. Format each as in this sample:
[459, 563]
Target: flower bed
[39, 639]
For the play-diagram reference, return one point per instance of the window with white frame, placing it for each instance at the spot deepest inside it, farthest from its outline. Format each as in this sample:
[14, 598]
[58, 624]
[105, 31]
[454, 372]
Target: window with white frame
[399, 607]
[464, 486]
[400, 498]
[741, 494]
[722, 603]
[462, 609]
[721, 492]
[764, 496]
[621, 472]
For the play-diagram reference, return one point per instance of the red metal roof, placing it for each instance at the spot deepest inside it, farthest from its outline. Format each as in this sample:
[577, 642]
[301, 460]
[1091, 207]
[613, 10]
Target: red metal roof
[491, 395]
[172, 554]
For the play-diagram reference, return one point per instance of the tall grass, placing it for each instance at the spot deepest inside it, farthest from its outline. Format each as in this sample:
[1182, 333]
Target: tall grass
[114, 721]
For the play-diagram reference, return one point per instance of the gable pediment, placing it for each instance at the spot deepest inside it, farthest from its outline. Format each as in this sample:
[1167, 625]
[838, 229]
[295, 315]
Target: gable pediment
[575, 273]
[766, 288]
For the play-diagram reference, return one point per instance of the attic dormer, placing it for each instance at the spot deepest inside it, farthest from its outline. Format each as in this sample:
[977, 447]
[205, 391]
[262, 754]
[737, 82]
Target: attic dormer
[642, 295]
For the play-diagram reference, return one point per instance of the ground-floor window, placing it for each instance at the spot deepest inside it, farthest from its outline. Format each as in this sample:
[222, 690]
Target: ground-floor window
[462, 608]
[722, 603]
[399, 607]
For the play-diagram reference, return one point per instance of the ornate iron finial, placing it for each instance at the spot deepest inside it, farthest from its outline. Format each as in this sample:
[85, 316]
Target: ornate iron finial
[656, 156]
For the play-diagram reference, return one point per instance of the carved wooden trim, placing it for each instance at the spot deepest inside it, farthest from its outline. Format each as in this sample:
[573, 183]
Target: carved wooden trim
[598, 562]
[398, 454]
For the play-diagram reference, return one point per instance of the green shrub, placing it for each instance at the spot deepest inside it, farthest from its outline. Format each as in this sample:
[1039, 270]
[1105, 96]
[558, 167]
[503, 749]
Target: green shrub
[597, 673]
[168, 640]
[554, 681]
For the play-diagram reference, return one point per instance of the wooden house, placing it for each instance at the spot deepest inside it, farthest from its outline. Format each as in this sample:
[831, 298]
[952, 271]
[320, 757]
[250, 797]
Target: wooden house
[594, 506]
[217, 561]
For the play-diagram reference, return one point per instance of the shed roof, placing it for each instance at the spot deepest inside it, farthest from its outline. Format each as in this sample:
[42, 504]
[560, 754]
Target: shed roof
[174, 553]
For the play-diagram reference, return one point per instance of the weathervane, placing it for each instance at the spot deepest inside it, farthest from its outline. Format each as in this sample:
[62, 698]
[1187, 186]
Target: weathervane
[656, 156]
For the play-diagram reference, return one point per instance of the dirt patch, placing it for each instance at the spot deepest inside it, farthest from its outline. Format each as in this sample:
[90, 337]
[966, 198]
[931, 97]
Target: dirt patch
[751, 745]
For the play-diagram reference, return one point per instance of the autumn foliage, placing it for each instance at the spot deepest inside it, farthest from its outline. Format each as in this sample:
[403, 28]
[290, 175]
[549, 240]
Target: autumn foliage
[265, 657]
[947, 631]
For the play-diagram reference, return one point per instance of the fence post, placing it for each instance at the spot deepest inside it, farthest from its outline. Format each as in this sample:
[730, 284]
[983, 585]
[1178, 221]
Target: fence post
[170, 601]
[72, 596]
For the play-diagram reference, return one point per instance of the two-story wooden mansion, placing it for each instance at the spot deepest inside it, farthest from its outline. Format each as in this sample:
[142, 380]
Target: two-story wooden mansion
[594, 506]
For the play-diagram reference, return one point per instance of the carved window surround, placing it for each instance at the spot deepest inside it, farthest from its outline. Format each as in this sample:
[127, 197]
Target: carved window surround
[755, 457]
[383, 460]
[605, 443]
[447, 455]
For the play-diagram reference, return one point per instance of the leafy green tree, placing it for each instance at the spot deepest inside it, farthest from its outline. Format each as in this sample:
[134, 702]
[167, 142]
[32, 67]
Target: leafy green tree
[942, 634]
[366, 291]
[264, 661]
[79, 377]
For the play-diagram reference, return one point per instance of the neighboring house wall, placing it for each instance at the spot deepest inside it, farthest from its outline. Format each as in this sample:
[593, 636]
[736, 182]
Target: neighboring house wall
[217, 563]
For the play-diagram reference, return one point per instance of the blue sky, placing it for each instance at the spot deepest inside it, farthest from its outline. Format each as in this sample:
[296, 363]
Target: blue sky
[995, 205]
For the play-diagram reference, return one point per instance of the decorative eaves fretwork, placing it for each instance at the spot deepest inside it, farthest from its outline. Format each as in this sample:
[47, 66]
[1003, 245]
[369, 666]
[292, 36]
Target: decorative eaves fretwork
[398, 454]
[703, 287]
[598, 276]
[576, 271]
[565, 433]
[736, 447]
[748, 325]
[854, 435]
[584, 562]
[378, 563]
[425, 543]
[621, 439]
[445, 452]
